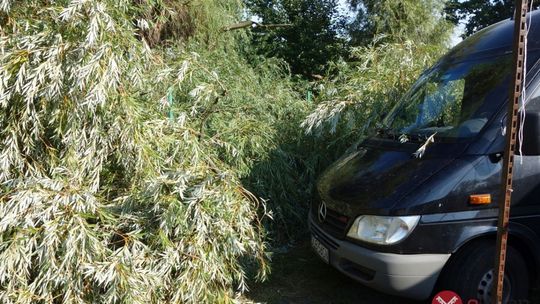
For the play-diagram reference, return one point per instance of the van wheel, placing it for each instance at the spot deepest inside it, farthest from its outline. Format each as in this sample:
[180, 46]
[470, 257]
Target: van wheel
[470, 274]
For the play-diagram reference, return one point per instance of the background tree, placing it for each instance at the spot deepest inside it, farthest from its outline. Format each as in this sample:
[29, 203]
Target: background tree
[418, 20]
[312, 40]
[477, 14]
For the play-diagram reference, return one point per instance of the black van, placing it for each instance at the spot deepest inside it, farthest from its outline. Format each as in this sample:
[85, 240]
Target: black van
[413, 210]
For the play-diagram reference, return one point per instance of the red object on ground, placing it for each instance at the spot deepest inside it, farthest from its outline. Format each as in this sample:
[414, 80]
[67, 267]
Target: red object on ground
[446, 297]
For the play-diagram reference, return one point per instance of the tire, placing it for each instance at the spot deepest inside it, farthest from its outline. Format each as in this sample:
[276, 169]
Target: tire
[470, 274]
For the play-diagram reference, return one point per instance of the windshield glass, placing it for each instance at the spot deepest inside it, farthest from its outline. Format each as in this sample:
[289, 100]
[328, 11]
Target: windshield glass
[453, 99]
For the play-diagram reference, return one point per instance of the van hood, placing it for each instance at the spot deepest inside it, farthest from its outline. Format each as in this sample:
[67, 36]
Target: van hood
[377, 176]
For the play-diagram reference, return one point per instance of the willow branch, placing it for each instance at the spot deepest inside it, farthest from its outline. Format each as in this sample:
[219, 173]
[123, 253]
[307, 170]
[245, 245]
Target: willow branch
[253, 24]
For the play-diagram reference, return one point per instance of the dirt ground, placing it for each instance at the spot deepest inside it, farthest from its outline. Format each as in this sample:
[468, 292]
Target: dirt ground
[300, 277]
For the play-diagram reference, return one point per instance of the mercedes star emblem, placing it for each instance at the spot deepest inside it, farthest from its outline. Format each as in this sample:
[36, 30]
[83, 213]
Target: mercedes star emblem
[322, 212]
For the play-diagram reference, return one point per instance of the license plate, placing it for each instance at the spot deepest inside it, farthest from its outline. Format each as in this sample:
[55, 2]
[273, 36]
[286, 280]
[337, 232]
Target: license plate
[319, 248]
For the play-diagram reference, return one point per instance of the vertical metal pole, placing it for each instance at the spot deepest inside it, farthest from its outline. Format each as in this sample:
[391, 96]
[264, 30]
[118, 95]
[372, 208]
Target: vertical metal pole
[520, 31]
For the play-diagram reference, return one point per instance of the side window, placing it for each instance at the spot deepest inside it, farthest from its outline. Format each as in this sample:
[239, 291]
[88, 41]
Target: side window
[533, 94]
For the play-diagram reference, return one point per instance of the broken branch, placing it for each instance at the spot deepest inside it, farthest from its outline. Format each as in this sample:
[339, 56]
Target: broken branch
[253, 24]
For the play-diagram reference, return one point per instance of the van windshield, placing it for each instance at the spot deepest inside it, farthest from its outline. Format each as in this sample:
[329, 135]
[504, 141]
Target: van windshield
[454, 99]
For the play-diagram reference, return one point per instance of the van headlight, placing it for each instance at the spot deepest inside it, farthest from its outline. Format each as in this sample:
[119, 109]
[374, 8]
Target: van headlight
[384, 230]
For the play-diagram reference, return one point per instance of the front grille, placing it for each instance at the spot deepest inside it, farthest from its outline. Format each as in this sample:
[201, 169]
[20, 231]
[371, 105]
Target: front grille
[336, 221]
[321, 236]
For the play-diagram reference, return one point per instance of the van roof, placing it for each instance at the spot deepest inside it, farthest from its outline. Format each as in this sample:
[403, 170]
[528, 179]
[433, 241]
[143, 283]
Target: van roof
[497, 38]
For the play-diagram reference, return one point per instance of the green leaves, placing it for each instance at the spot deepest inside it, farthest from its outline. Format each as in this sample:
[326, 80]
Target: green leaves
[416, 20]
[313, 38]
[477, 14]
[105, 198]
[412, 35]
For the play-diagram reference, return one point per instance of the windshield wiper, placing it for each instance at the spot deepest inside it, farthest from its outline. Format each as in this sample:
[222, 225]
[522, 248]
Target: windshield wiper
[403, 137]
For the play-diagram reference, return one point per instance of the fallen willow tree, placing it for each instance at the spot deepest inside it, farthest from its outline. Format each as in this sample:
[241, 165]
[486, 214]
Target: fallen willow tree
[120, 163]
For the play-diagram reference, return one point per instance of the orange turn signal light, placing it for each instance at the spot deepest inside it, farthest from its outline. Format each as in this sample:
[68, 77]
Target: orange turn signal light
[480, 199]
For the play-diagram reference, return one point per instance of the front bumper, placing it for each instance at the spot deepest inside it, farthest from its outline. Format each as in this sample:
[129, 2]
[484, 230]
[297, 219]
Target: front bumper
[407, 275]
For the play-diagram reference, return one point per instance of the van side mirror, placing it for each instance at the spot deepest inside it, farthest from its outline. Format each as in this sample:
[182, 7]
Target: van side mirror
[531, 134]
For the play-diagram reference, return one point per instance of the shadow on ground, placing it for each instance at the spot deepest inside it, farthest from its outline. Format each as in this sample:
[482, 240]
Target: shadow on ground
[299, 277]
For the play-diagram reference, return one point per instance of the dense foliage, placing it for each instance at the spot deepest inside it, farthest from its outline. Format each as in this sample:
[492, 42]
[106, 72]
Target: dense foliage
[124, 140]
[477, 14]
[310, 41]
[420, 21]
[409, 36]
